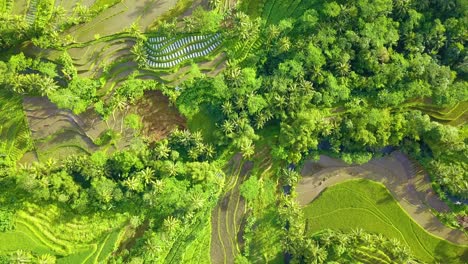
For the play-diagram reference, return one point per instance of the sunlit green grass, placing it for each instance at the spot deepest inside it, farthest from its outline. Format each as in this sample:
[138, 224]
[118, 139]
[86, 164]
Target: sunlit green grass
[368, 205]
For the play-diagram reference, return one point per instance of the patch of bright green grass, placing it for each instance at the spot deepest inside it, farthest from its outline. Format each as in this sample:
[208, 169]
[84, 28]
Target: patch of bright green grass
[21, 238]
[78, 257]
[197, 252]
[369, 205]
[109, 245]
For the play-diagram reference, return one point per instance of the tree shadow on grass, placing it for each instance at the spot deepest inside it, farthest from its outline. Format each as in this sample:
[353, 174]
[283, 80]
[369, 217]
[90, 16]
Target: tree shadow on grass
[445, 253]
[387, 199]
[146, 8]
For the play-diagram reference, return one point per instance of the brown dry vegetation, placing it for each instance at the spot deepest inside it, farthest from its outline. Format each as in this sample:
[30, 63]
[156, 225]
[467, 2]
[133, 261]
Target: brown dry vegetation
[158, 116]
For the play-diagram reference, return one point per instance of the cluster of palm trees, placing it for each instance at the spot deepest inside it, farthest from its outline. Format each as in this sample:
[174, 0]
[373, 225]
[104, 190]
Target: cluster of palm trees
[357, 244]
[23, 256]
[34, 84]
[349, 247]
[186, 143]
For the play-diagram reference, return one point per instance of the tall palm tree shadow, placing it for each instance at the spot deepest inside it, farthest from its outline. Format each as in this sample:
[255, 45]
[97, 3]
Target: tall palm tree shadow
[147, 7]
[441, 254]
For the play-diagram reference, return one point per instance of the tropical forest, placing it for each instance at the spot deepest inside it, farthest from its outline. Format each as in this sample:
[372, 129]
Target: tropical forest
[234, 131]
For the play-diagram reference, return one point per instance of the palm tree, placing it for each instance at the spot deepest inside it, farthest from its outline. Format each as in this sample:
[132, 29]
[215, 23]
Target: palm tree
[21, 256]
[227, 108]
[147, 175]
[193, 153]
[284, 44]
[214, 4]
[162, 150]
[134, 184]
[199, 147]
[313, 253]
[290, 176]
[228, 126]
[247, 149]
[134, 30]
[158, 185]
[273, 31]
[171, 168]
[197, 136]
[171, 224]
[240, 103]
[46, 259]
[280, 101]
[401, 7]
[343, 68]
[233, 75]
[139, 52]
[185, 138]
[260, 120]
[342, 239]
[189, 24]
[197, 199]
[242, 122]
[357, 234]
[209, 151]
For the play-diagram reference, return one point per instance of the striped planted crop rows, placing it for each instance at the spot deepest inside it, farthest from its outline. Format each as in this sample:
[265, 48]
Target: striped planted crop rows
[167, 53]
[31, 15]
[48, 229]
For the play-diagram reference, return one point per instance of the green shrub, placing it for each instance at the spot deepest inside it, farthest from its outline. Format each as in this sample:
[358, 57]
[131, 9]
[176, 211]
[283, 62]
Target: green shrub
[7, 221]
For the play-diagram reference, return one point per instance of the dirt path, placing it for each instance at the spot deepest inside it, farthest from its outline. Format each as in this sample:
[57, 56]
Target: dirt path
[227, 216]
[405, 179]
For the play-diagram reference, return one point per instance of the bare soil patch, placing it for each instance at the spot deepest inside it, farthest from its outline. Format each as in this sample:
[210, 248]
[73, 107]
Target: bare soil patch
[159, 117]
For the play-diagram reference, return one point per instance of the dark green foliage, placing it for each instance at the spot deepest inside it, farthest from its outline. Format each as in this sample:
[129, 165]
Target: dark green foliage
[7, 220]
[345, 82]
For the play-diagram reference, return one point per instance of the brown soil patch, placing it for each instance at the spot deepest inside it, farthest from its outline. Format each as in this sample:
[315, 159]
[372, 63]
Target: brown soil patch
[58, 132]
[405, 179]
[159, 117]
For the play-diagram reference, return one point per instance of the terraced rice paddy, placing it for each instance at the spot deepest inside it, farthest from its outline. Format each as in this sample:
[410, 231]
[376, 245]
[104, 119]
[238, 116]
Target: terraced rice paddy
[454, 115]
[163, 52]
[368, 205]
[46, 230]
[227, 216]
[32, 10]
